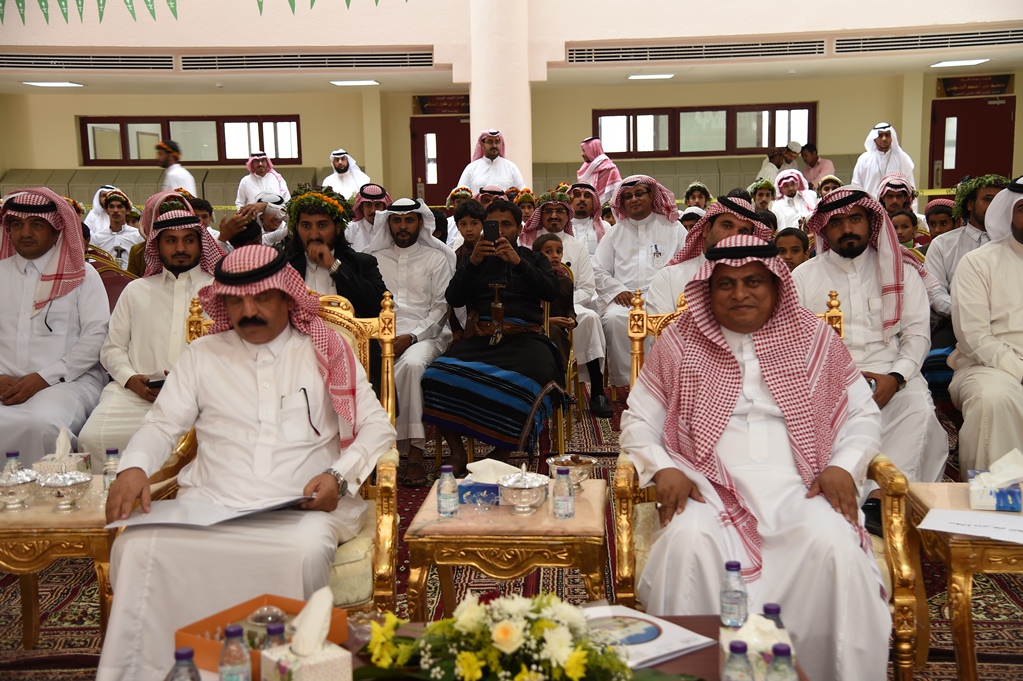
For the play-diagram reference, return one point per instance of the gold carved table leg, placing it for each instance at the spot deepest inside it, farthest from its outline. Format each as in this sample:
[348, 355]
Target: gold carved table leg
[106, 596]
[419, 570]
[447, 589]
[29, 583]
[960, 587]
[923, 618]
[592, 571]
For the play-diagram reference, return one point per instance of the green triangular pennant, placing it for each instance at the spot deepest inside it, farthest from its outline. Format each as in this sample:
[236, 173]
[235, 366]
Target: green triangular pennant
[348, 4]
[21, 10]
[292, 3]
[3, 4]
[151, 6]
[44, 5]
[102, 6]
[173, 4]
[260, 3]
[130, 4]
[311, 3]
[81, 9]
[63, 8]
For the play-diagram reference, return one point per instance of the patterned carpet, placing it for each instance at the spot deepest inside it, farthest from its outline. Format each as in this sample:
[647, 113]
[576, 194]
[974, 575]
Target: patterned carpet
[68, 647]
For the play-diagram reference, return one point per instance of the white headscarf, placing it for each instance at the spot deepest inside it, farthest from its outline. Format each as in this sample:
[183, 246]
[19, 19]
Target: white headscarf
[354, 175]
[906, 163]
[998, 218]
[383, 240]
[97, 219]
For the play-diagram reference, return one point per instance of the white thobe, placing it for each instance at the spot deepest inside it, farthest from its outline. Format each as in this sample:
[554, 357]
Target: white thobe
[359, 234]
[943, 256]
[318, 279]
[671, 282]
[768, 170]
[60, 343]
[831, 604]
[988, 359]
[176, 176]
[873, 165]
[500, 172]
[252, 185]
[346, 184]
[627, 259]
[417, 277]
[147, 333]
[910, 432]
[256, 411]
[584, 232]
[119, 243]
[791, 209]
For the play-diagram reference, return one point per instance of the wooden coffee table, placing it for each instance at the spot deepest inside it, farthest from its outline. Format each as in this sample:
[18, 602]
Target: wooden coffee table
[506, 546]
[964, 556]
[32, 539]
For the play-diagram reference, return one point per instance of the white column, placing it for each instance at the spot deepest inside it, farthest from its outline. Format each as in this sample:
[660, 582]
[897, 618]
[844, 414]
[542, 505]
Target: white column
[912, 133]
[499, 94]
[372, 161]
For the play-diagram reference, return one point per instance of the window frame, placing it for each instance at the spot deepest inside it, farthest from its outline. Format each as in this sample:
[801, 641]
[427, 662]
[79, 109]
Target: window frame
[674, 134]
[165, 121]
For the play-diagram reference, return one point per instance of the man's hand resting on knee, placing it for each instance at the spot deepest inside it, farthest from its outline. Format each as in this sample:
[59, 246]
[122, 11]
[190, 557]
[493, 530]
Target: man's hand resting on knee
[673, 490]
[131, 485]
[837, 486]
[324, 488]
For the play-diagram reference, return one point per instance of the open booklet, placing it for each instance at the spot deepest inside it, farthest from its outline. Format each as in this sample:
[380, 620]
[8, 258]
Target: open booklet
[647, 640]
[198, 513]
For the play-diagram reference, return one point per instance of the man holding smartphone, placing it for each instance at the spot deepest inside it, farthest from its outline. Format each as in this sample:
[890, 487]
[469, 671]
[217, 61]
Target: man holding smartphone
[147, 327]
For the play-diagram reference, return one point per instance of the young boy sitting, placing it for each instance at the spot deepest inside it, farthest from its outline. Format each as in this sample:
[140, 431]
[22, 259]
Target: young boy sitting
[793, 246]
[905, 222]
[939, 219]
[562, 310]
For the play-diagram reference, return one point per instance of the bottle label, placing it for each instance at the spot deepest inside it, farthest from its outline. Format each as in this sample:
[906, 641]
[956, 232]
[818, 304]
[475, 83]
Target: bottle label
[564, 507]
[235, 674]
[447, 504]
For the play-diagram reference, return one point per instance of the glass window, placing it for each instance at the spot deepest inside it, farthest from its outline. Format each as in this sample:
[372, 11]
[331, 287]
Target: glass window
[703, 131]
[104, 141]
[198, 140]
[142, 139]
[236, 140]
[791, 125]
[431, 158]
[614, 133]
[951, 132]
[652, 132]
[287, 139]
[269, 139]
[752, 129]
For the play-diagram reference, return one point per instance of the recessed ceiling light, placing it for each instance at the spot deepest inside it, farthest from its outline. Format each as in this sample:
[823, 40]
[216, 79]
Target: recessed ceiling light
[51, 84]
[350, 83]
[958, 62]
[652, 76]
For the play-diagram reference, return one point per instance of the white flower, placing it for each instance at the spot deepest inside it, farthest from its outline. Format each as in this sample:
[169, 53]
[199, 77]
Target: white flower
[557, 645]
[469, 614]
[566, 614]
[512, 607]
[507, 635]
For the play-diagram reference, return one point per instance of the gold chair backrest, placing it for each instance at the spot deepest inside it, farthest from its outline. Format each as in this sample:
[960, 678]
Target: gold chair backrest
[643, 324]
[834, 316]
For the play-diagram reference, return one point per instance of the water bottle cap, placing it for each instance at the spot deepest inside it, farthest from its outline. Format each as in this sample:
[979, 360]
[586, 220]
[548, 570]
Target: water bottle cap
[184, 654]
[733, 566]
[562, 470]
[737, 647]
[275, 628]
[233, 630]
[12, 455]
[772, 609]
[781, 650]
[447, 468]
[112, 451]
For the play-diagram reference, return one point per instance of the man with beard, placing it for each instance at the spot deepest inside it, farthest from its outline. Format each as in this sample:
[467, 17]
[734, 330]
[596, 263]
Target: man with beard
[762, 193]
[887, 326]
[417, 269]
[168, 155]
[795, 201]
[347, 176]
[489, 165]
[369, 199]
[262, 179]
[896, 192]
[147, 327]
[587, 226]
[883, 156]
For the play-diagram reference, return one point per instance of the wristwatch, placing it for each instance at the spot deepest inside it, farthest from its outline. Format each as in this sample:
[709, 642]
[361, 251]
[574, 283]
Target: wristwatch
[334, 267]
[898, 379]
[414, 337]
[342, 484]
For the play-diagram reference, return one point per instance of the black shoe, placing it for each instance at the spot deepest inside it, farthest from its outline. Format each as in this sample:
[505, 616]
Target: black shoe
[872, 517]
[600, 407]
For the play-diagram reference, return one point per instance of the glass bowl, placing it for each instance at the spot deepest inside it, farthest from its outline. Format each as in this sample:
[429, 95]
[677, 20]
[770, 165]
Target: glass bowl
[66, 489]
[524, 492]
[17, 487]
[580, 467]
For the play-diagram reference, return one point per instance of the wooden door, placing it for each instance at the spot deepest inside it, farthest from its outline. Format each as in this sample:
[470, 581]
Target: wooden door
[971, 136]
[441, 148]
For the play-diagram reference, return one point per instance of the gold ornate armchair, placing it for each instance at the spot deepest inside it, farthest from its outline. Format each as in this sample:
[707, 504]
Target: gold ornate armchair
[636, 518]
[364, 570]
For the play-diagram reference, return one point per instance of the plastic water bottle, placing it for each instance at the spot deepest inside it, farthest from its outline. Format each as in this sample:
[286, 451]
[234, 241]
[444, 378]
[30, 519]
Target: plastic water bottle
[737, 666]
[781, 667]
[235, 663]
[564, 495]
[13, 462]
[772, 611]
[184, 668]
[110, 468]
[447, 493]
[733, 596]
[274, 635]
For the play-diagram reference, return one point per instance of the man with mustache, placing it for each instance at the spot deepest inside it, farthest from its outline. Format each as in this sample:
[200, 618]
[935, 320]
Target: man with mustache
[147, 327]
[347, 176]
[887, 326]
[52, 323]
[118, 237]
[281, 408]
[587, 225]
[262, 178]
[417, 269]
[489, 165]
[368, 200]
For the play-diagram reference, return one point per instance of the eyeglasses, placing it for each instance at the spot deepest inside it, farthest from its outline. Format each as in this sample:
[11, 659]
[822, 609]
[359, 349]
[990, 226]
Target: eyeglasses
[638, 194]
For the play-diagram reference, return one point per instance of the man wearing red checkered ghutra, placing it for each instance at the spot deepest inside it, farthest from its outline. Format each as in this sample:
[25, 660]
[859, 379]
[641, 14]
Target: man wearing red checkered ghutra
[754, 425]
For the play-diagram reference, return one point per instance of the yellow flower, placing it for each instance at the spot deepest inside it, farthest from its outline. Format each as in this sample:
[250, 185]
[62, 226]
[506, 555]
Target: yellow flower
[381, 641]
[526, 675]
[575, 665]
[467, 665]
[507, 636]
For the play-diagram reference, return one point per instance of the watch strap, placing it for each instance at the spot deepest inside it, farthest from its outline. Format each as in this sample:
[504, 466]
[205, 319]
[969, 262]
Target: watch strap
[898, 379]
[334, 267]
[342, 484]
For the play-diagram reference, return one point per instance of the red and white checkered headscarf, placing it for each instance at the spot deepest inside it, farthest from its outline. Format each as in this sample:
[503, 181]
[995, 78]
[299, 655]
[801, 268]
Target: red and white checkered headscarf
[478, 153]
[891, 256]
[695, 376]
[282, 186]
[595, 212]
[66, 270]
[333, 354]
[210, 253]
[533, 225]
[697, 236]
[664, 198]
[493, 190]
[790, 175]
[369, 192]
[600, 171]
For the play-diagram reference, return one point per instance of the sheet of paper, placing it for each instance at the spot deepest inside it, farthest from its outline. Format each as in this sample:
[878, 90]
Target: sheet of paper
[199, 513]
[647, 640]
[1001, 526]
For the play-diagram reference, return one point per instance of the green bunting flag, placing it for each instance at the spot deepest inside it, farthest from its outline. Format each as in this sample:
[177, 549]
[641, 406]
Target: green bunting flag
[173, 4]
[81, 9]
[102, 6]
[63, 8]
[260, 3]
[151, 6]
[44, 5]
[292, 3]
[3, 4]
[130, 4]
[21, 10]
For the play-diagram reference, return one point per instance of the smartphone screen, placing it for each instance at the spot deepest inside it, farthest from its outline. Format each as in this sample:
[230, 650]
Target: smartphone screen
[491, 231]
[154, 384]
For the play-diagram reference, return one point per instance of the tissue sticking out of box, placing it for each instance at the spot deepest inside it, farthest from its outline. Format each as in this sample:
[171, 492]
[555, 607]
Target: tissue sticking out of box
[488, 471]
[63, 450]
[313, 623]
[1006, 471]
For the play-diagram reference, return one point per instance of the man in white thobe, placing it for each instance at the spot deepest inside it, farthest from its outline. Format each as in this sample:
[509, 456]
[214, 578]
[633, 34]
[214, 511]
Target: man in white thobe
[728, 216]
[97, 217]
[148, 325]
[887, 326]
[262, 179]
[795, 199]
[883, 156]
[489, 165]
[988, 321]
[598, 171]
[369, 199]
[643, 240]
[587, 226]
[281, 408]
[52, 324]
[347, 176]
[168, 155]
[753, 423]
[769, 168]
[118, 237]
[417, 269]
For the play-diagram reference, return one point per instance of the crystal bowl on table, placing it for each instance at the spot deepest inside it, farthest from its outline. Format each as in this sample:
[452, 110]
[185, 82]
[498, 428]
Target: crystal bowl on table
[66, 488]
[524, 491]
[580, 467]
[16, 487]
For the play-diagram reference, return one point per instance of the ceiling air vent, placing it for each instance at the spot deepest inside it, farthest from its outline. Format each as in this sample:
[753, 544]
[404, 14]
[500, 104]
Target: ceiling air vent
[261, 62]
[93, 62]
[934, 41]
[606, 55]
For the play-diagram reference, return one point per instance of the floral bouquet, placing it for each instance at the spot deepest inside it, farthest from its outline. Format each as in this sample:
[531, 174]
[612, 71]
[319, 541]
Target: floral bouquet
[508, 639]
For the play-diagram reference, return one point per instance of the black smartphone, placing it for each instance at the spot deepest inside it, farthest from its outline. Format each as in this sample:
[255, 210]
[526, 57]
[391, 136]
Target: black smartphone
[491, 230]
[154, 385]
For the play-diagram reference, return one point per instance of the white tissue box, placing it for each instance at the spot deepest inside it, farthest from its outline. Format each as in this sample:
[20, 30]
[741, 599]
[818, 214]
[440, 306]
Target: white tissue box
[759, 634]
[74, 462]
[986, 497]
[331, 662]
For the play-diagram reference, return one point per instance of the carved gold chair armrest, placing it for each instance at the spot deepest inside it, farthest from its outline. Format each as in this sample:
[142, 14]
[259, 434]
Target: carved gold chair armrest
[626, 486]
[385, 551]
[834, 315]
[643, 324]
